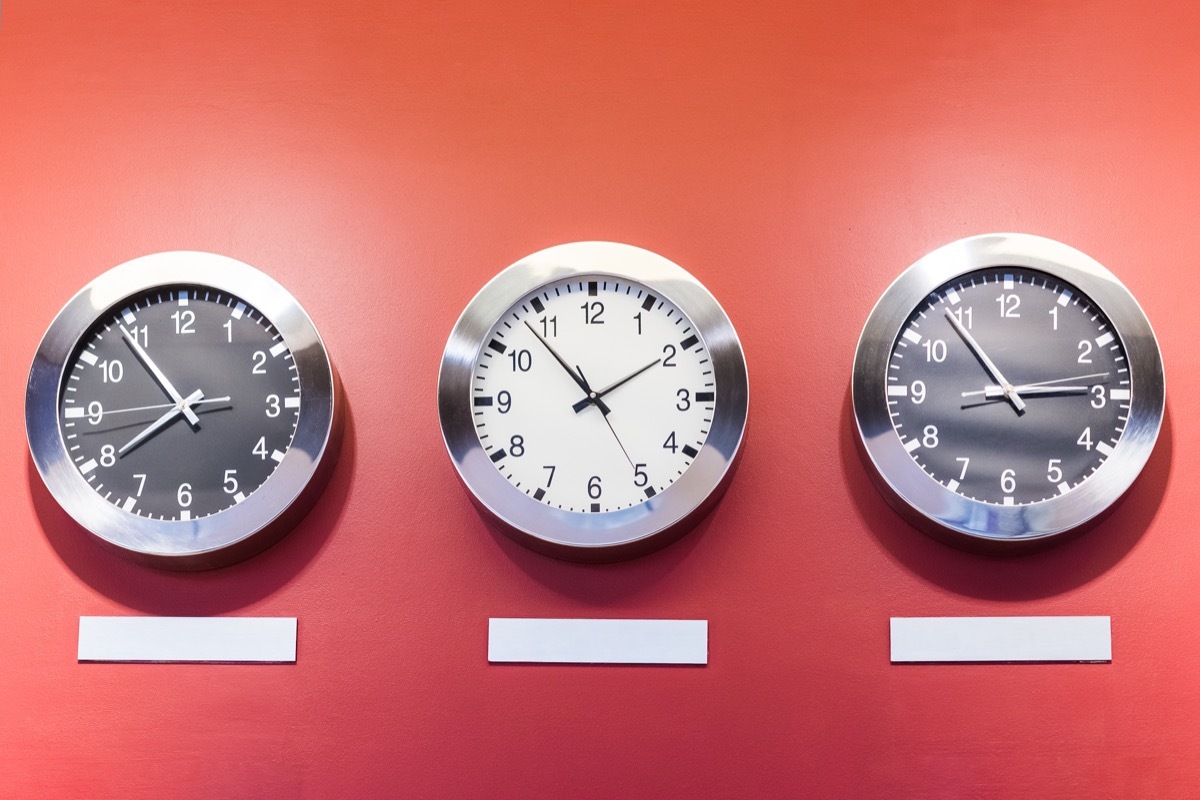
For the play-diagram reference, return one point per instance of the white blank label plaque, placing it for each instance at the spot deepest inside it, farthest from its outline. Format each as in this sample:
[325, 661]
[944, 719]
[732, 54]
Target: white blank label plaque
[598, 641]
[1002, 639]
[237, 640]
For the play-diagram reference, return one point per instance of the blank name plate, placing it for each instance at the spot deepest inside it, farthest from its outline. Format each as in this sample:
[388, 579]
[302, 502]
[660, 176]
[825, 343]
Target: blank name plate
[1001, 639]
[221, 640]
[598, 641]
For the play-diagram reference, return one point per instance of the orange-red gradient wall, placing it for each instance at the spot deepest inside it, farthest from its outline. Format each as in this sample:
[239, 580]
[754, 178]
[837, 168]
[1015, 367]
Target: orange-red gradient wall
[383, 160]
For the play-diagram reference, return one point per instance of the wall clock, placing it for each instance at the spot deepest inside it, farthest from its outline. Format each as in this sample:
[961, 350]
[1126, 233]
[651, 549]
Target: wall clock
[1007, 391]
[593, 399]
[183, 409]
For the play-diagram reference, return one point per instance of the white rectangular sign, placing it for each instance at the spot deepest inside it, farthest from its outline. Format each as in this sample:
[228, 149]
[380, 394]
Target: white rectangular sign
[1000, 639]
[598, 641]
[270, 640]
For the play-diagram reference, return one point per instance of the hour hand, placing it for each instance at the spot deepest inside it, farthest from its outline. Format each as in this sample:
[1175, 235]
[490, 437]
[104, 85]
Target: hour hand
[592, 397]
[182, 407]
[166, 384]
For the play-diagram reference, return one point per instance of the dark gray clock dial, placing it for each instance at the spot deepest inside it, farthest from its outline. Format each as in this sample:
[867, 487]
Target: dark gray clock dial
[1008, 386]
[179, 403]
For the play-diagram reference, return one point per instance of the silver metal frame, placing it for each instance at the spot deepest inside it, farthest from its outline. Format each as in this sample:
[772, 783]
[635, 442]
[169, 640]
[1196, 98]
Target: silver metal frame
[269, 512]
[978, 525]
[616, 534]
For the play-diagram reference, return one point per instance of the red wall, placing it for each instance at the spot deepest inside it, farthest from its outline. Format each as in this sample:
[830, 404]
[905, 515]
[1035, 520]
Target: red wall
[383, 160]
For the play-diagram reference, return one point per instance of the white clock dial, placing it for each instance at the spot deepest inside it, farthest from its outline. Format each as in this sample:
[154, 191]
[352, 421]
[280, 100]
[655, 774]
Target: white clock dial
[618, 419]
[593, 399]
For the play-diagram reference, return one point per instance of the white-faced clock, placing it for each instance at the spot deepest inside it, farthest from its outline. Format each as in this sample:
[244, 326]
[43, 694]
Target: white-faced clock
[1008, 390]
[183, 409]
[593, 397]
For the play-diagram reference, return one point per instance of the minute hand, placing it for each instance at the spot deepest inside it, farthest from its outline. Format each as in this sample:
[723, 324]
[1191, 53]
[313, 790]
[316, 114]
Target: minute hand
[582, 404]
[166, 385]
[592, 397]
[988, 364]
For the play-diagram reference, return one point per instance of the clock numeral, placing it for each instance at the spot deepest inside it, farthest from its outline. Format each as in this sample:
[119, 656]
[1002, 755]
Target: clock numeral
[228, 326]
[685, 400]
[1098, 397]
[183, 495]
[594, 490]
[111, 371]
[140, 477]
[640, 478]
[230, 484]
[669, 356]
[592, 312]
[1085, 439]
[550, 478]
[272, 405]
[935, 350]
[1085, 352]
[504, 400]
[522, 360]
[1054, 316]
[962, 476]
[184, 321]
[965, 316]
[95, 412]
[917, 392]
[260, 363]
[516, 446]
[549, 326]
[141, 332]
[638, 317]
[1008, 481]
[1009, 303]
[260, 448]
[1054, 472]
[669, 444]
[108, 455]
[930, 439]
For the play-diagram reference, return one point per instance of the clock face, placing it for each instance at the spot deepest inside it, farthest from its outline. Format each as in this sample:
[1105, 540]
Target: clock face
[1007, 391]
[593, 399]
[182, 409]
[593, 394]
[1008, 386]
[180, 403]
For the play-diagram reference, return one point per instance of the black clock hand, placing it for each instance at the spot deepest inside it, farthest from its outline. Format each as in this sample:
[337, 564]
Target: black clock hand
[166, 385]
[608, 422]
[592, 397]
[582, 404]
[988, 364]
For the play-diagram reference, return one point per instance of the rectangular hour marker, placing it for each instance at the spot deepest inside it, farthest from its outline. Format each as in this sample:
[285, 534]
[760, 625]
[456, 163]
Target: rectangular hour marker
[74, 413]
[238, 310]
[1104, 339]
[598, 641]
[957, 640]
[1008, 281]
[291, 402]
[129, 503]
[218, 640]
[1062, 487]
[649, 302]
[689, 451]
[953, 297]
[898, 390]
[183, 300]
[650, 491]
[952, 485]
[689, 343]
[537, 305]
[1119, 394]
[280, 347]
[88, 466]
[539, 494]
[499, 347]
[1008, 501]
[128, 316]
[481, 401]
[1065, 297]
[912, 444]
[88, 358]
[591, 288]
[239, 497]
[705, 397]
[595, 508]
[499, 454]
[185, 515]
[276, 456]
[912, 336]
[1104, 447]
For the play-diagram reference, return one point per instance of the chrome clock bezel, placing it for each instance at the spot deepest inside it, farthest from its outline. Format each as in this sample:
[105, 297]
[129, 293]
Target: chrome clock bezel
[266, 514]
[616, 534]
[971, 523]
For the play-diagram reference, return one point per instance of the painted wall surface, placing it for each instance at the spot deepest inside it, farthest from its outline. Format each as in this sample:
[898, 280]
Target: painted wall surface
[383, 160]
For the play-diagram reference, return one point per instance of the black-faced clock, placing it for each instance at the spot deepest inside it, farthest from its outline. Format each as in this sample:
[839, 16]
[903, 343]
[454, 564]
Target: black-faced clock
[1007, 390]
[593, 398]
[183, 409]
